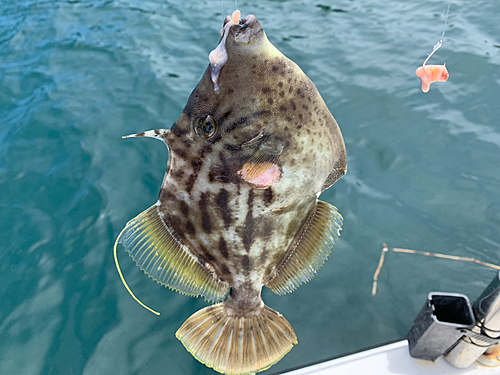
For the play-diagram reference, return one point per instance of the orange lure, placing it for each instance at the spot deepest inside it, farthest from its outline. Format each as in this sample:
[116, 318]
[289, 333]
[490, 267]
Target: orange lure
[431, 73]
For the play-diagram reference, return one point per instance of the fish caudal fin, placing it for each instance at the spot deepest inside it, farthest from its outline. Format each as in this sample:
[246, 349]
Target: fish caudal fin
[310, 250]
[154, 246]
[237, 345]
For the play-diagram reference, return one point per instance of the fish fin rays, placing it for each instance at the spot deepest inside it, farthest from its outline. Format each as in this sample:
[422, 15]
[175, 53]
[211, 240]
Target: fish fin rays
[155, 248]
[339, 169]
[309, 252]
[237, 345]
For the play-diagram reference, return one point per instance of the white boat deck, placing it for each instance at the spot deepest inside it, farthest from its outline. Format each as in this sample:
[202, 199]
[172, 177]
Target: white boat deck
[389, 359]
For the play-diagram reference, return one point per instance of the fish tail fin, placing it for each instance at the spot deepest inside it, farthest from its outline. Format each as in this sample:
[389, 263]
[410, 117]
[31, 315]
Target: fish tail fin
[234, 344]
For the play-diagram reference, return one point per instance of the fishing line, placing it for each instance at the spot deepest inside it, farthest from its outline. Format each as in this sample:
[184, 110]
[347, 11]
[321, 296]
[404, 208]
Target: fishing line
[222, 1]
[446, 20]
[440, 43]
[123, 279]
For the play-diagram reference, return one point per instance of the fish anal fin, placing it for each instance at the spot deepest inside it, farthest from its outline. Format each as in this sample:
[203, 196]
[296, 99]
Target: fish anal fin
[234, 344]
[155, 248]
[309, 251]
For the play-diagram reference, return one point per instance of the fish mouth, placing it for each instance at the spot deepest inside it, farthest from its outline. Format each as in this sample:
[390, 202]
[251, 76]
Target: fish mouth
[244, 22]
[247, 31]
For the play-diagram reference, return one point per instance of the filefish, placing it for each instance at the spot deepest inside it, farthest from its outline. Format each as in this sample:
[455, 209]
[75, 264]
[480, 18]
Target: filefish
[238, 209]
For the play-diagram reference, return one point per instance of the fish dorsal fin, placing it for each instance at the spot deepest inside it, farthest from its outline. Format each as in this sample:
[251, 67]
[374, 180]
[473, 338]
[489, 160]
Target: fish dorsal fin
[156, 249]
[309, 251]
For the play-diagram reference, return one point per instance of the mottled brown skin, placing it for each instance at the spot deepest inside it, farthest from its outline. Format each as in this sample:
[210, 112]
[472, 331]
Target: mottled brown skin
[266, 107]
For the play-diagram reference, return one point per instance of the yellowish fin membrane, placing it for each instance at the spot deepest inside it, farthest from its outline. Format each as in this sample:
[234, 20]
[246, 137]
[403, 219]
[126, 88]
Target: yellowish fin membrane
[309, 251]
[156, 249]
[237, 345]
[125, 283]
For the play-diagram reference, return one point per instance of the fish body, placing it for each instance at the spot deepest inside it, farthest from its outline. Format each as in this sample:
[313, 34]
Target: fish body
[248, 157]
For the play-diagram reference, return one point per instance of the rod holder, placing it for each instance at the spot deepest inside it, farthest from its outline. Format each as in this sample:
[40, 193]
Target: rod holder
[449, 325]
[486, 332]
[440, 324]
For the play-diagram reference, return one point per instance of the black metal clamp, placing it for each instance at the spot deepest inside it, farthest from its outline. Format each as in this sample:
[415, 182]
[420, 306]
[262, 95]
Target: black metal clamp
[449, 325]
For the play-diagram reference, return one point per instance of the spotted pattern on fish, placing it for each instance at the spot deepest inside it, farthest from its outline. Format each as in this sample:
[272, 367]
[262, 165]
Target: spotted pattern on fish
[222, 201]
[249, 227]
[266, 113]
[205, 216]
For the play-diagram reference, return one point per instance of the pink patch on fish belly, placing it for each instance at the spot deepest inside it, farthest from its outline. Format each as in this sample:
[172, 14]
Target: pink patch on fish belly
[262, 175]
[431, 73]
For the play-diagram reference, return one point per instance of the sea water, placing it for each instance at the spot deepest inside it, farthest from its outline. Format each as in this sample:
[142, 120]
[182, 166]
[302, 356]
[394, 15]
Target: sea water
[423, 169]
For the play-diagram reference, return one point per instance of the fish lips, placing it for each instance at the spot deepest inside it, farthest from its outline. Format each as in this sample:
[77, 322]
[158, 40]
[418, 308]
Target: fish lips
[248, 31]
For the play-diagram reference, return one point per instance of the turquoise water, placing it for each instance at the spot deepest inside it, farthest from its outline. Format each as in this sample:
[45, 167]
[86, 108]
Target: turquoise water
[423, 169]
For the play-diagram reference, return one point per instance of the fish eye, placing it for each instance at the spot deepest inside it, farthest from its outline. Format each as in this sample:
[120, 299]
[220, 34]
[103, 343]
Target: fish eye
[206, 127]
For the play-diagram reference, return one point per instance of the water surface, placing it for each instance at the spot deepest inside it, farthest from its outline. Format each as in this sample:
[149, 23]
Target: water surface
[423, 169]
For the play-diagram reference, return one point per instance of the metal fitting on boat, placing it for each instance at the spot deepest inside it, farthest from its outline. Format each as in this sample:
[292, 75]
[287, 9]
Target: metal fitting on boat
[448, 325]
[486, 332]
[439, 324]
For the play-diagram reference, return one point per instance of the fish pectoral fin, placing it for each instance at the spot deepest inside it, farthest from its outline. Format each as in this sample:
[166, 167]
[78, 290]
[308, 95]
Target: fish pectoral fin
[234, 344]
[309, 251]
[153, 245]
